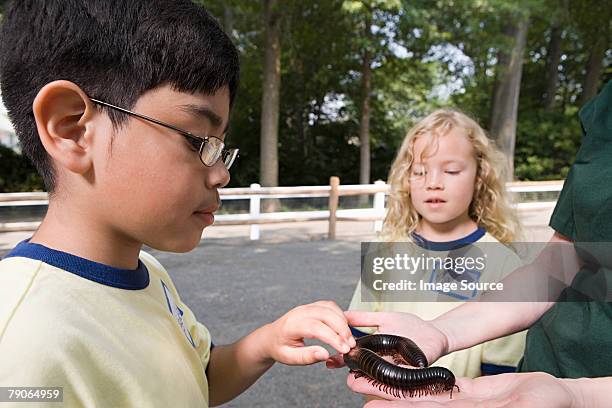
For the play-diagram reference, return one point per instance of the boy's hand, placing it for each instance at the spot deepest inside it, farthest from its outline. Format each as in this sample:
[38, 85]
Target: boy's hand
[323, 320]
[425, 334]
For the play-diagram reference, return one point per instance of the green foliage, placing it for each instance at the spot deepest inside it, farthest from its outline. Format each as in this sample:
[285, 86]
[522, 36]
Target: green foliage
[425, 54]
[546, 144]
[17, 173]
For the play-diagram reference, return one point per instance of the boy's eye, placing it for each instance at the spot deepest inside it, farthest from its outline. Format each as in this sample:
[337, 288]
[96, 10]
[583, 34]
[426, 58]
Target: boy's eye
[193, 143]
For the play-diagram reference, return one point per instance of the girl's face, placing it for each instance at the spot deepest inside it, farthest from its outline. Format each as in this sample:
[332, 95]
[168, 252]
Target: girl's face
[442, 179]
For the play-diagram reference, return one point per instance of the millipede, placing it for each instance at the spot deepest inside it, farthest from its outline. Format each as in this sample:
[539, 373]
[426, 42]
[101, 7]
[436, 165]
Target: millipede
[365, 361]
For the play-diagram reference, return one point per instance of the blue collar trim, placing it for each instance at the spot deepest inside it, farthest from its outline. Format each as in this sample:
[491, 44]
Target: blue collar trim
[107, 275]
[449, 245]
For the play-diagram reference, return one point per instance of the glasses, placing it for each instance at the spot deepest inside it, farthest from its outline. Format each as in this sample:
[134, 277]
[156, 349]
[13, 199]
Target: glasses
[210, 148]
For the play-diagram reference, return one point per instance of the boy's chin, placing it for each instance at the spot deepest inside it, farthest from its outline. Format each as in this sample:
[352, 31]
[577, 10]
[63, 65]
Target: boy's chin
[184, 243]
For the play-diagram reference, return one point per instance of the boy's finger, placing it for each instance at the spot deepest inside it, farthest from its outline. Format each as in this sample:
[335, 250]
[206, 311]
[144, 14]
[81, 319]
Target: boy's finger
[331, 319]
[305, 355]
[332, 305]
[336, 310]
[315, 329]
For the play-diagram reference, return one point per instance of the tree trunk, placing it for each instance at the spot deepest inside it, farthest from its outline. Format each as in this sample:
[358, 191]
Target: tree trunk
[364, 123]
[270, 100]
[593, 73]
[228, 19]
[507, 88]
[554, 55]
[552, 67]
[364, 128]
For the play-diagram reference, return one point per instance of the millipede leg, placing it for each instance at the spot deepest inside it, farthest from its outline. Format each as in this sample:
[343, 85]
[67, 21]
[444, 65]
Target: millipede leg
[358, 374]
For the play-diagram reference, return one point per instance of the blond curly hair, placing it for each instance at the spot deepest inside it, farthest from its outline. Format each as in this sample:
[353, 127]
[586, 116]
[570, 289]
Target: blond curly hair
[490, 207]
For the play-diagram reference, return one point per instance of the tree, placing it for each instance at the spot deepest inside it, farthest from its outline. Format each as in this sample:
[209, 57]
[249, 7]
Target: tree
[553, 54]
[364, 128]
[17, 173]
[593, 21]
[423, 55]
[228, 18]
[370, 15]
[552, 64]
[270, 96]
[507, 88]
[593, 70]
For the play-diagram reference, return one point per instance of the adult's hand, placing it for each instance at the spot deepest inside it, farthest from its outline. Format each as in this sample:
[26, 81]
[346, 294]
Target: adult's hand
[432, 341]
[524, 390]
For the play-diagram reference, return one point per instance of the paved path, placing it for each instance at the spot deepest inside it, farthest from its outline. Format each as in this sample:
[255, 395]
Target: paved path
[235, 286]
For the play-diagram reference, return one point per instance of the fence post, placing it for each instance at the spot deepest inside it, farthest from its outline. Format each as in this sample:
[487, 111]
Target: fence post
[334, 182]
[254, 211]
[379, 205]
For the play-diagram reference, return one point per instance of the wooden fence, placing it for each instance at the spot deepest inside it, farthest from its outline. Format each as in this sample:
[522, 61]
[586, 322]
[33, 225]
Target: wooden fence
[255, 193]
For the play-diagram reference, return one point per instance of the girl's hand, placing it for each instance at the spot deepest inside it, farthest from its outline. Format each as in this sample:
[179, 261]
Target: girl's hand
[430, 339]
[323, 320]
[525, 390]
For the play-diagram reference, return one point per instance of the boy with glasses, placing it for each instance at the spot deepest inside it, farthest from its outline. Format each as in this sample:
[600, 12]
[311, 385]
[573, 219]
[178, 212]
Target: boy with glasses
[123, 106]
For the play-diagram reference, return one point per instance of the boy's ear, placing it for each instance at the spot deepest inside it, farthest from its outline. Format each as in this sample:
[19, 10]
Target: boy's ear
[63, 114]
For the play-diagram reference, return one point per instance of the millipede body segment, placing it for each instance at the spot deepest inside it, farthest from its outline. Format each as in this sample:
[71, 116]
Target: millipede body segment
[366, 361]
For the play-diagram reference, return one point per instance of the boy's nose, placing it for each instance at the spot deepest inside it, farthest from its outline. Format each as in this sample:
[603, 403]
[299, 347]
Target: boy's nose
[217, 175]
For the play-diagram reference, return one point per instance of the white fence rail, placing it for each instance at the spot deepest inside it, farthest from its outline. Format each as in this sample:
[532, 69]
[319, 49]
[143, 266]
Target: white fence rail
[255, 193]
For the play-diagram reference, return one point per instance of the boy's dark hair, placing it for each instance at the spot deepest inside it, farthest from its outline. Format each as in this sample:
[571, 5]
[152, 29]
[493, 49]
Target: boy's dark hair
[115, 50]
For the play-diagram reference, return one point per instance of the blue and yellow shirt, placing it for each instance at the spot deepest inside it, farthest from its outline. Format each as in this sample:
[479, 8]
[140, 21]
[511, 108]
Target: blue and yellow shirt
[109, 337]
[492, 357]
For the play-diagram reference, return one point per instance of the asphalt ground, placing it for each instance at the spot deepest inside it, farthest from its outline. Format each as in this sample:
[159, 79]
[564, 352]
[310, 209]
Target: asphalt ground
[234, 286]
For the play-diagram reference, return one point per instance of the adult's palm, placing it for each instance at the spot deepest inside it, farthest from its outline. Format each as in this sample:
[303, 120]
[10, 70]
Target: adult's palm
[525, 390]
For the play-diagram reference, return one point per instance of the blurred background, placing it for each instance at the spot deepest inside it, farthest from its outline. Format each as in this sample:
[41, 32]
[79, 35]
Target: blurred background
[330, 87]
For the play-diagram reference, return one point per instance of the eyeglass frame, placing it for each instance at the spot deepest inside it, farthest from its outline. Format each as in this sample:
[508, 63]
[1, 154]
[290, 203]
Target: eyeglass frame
[188, 135]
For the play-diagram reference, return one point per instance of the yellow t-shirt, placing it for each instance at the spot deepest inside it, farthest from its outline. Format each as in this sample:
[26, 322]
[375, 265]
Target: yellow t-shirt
[499, 355]
[109, 337]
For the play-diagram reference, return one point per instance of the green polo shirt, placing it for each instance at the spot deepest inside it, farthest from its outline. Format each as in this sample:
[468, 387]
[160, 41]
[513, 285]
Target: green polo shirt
[574, 338]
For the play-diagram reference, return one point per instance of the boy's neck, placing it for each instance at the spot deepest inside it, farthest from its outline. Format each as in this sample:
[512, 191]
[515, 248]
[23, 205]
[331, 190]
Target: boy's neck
[70, 230]
[448, 231]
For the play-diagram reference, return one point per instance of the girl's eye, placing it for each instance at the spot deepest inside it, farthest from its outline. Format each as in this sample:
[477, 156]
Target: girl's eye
[417, 168]
[453, 172]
